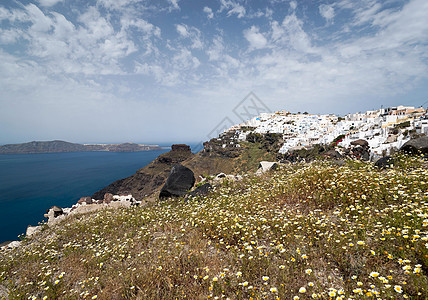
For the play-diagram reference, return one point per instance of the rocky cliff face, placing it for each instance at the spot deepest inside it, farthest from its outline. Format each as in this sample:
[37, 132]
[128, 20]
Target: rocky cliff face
[150, 178]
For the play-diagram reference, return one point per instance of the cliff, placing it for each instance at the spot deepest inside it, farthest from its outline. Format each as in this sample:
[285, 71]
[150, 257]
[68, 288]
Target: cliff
[223, 154]
[148, 179]
[62, 146]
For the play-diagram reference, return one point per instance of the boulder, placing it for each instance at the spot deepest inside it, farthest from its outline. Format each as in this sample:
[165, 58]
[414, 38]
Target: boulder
[415, 146]
[338, 162]
[180, 180]
[332, 154]
[365, 156]
[265, 166]
[53, 213]
[201, 190]
[10, 245]
[360, 142]
[108, 197]
[32, 230]
[384, 162]
[85, 200]
[220, 175]
[56, 210]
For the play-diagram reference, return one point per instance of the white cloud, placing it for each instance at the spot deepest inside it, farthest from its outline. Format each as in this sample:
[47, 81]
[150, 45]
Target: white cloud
[116, 5]
[49, 2]
[327, 12]
[366, 13]
[185, 60]
[232, 8]
[255, 38]
[291, 34]
[209, 12]
[90, 46]
[41, 23]
[144, 26]
[215, 51]
[192, 33]
[182, 30]
[174, 4]
[293, 5]
[239, 10]
[10, 36]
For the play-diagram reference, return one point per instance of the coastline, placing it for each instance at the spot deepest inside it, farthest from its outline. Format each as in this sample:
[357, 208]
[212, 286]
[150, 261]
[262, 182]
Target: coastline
[31, 183]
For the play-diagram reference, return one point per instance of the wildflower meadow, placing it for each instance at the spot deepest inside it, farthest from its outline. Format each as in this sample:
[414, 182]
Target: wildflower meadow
[308, 231]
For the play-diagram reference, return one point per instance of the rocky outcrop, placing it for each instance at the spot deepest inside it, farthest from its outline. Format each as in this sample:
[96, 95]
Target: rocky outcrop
[86, 200]
[180, 180]
[149, 179]
[31, 230]
[225, 146]
[360, 142]
[359, 149]
[53, 213]
[10, 245]
[202, 190]
[416, 146]
[180, 147]
[332, 154]
[108, 197]
[384, 162]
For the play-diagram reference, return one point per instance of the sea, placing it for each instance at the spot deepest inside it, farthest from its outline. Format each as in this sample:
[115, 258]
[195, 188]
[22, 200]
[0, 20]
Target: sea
[32, 183]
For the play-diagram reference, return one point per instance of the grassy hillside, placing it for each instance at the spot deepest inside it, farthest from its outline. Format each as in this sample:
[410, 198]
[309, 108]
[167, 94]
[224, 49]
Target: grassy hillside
[306, 231]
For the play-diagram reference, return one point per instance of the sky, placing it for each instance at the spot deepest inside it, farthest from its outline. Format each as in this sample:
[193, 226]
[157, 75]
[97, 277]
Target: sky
[164, 71]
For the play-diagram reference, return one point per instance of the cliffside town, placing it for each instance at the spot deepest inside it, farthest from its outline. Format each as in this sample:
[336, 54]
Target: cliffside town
[385, 130]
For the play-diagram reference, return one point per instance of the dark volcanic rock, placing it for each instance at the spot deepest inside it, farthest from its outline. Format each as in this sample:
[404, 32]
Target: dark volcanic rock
[180, 147]
[57, 210]
[201, 190]
[150, 178]
[87, 200]
[332, 154]
[360, 142]
[415, 146]
[360, 150]
[384, 162]
[180, 180]
[365, 156]
[165, 160]
[108, 197]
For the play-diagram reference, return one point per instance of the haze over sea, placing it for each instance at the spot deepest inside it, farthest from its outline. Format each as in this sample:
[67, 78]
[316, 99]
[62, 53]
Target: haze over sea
[32, 183]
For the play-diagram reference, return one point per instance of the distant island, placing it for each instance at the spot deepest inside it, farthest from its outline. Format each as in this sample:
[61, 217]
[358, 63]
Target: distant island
[62, 146]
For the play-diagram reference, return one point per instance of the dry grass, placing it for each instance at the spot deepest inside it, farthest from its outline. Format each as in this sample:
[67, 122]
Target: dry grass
[307, 231]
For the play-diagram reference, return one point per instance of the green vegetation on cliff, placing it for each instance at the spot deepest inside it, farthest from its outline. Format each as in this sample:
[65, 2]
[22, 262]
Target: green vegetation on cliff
[312, 230]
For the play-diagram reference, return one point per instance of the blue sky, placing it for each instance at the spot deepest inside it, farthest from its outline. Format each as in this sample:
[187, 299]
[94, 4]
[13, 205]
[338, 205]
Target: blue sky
[171, 70]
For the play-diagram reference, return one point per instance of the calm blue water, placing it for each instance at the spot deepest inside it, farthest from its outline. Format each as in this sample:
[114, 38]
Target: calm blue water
[32, 183]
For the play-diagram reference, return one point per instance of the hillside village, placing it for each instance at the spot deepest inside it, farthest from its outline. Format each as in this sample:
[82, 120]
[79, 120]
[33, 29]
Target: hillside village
[385, 130]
